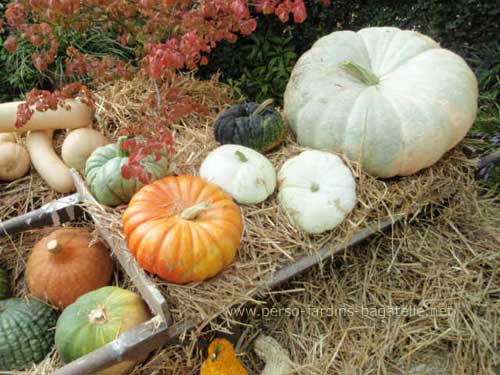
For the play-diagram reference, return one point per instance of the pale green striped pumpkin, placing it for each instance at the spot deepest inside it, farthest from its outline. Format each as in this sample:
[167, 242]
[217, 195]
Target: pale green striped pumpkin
[103, 172]
[96, 319]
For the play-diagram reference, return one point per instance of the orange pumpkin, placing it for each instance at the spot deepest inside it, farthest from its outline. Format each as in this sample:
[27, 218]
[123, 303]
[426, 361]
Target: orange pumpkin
[183, 228]
[67, 264]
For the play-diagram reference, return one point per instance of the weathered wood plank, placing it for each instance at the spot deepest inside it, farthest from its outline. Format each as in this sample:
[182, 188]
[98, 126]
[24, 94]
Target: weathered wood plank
[303, 264]
[53, 213]
[135, 343]
[151, 294]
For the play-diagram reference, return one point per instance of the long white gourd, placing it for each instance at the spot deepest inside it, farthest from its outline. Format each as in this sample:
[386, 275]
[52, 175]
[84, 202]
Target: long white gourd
[7, 138]
[78, 116]
[47, 162]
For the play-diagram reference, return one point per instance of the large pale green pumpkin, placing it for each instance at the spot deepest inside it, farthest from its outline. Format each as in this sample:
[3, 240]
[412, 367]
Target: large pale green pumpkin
[393, 100]
[26, 332]
[103, 172]
[96, 319]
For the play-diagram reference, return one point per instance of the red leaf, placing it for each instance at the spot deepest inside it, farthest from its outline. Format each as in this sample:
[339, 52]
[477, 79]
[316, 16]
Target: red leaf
[240, 9]
[299, 11]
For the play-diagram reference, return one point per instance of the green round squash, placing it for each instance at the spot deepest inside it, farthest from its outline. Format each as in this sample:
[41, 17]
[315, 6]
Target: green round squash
[96, 319]
[259, 127]
[26, 332]
[103, 172]
[4, 284]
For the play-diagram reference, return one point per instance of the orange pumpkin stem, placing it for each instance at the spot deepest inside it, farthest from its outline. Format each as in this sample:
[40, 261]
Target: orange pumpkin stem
[192, 212]
[53, 246]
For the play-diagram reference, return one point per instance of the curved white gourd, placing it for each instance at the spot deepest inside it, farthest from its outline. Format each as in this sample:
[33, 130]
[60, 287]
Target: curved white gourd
[393, 100]
[317, 190]
[47, 163]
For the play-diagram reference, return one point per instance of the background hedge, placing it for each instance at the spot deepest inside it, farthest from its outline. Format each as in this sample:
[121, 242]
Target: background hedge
[468, 27]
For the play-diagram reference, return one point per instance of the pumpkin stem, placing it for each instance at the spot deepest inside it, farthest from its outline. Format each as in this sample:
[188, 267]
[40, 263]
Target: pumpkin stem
[218, 350]
[266, 103]
[192, 212]
[53, 246]
[314, 187]
[241, 156]
[97, 316]
[364, 75]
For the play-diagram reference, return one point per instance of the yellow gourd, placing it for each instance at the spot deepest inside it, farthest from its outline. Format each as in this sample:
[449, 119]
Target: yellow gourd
[222, 360]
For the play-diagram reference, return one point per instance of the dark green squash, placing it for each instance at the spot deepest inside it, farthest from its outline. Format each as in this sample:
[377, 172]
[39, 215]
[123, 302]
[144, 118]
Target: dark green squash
[259, 127]
[4, 284]
[26, 332]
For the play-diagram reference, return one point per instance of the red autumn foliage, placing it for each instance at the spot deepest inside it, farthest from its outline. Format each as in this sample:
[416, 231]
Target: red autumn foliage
[165, 35]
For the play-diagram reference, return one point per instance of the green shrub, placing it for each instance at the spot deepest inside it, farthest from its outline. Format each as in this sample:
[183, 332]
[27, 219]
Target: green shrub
[18, 74]
[459, 25]
[468, 27]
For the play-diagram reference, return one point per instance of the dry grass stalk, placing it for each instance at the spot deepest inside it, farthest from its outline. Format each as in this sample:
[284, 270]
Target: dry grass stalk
[403, 268]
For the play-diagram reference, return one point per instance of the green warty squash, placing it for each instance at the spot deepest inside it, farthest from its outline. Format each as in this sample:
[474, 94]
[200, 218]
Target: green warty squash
[26, 332]
[259, 127]
[96, 319]
[104, 176]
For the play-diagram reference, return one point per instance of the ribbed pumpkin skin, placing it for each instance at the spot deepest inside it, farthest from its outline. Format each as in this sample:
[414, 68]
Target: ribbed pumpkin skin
[261, 132]
[4, 284]
[176, 249]
[76, 335]
[26, 332]
[419, 102]
[80, 266]
[103, 174]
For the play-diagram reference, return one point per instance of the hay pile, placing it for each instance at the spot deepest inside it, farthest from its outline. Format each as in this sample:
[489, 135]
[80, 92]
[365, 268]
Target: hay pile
[450, 261]
[443, 269]
[270, 240]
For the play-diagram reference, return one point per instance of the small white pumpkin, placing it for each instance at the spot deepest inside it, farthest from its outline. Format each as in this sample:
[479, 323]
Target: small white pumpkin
[78, 146]
[392, 99]
[317, 190]
[244, 173]
[14, 161]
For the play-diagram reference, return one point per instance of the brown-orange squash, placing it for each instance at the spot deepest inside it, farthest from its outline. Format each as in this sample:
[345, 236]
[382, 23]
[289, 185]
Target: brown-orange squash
[67, 264]
[183, 228]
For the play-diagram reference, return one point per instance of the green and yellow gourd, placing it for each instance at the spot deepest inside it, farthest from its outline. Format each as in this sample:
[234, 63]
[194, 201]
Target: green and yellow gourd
[259, 127]
[96, 319]
[103, 172]
[4, 284]
[26, 332]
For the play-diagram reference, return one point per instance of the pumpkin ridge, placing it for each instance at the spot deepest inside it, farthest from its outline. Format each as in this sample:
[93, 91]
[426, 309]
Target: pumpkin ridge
[396, 68]
[169, 223]
[208, 234]
[7, 341]
[403, 145]
[214, 245]
[29, 335]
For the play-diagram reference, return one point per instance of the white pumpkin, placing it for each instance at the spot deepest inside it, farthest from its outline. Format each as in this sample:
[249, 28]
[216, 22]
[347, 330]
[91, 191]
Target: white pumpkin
[14, 161]
[78, 146]
[316, 190]
[393, 100]
[244, 173]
